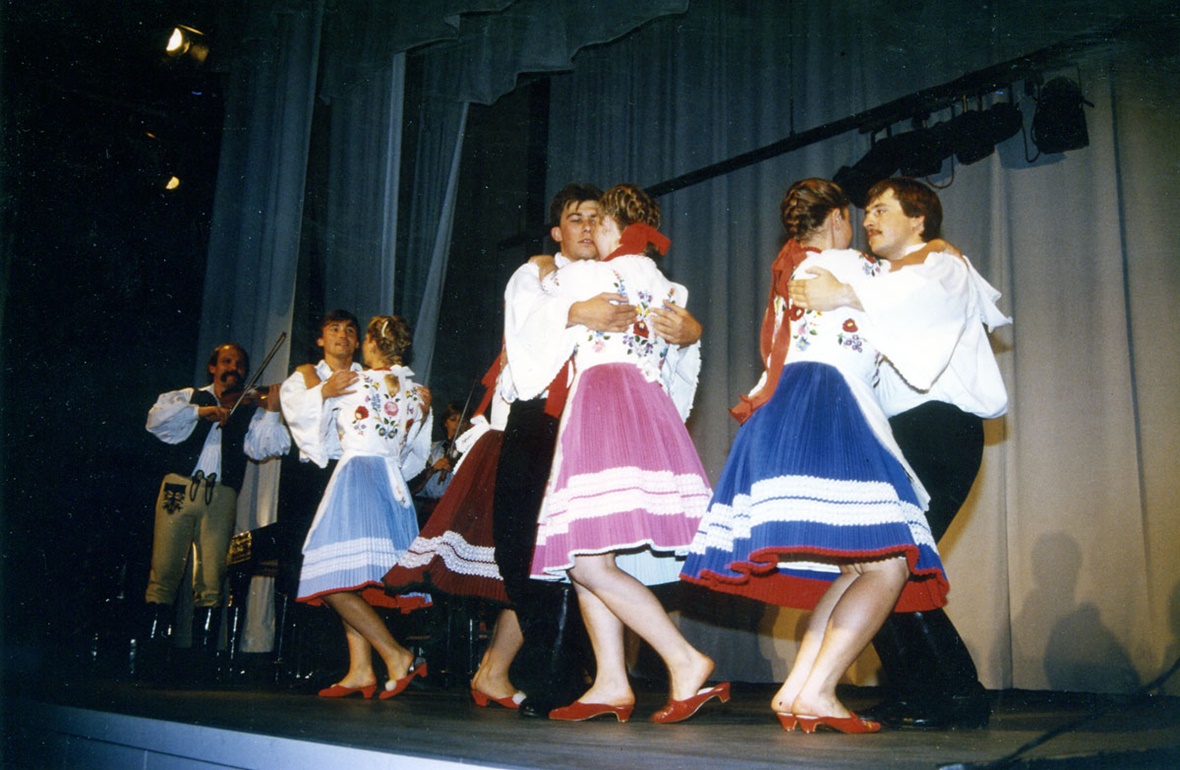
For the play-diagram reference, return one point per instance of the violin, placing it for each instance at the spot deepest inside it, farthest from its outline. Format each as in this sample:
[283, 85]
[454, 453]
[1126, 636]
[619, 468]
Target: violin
[249, 394]
[239, 396]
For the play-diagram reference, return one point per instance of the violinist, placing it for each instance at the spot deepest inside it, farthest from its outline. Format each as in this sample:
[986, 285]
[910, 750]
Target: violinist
[196, 506]
[429, 485]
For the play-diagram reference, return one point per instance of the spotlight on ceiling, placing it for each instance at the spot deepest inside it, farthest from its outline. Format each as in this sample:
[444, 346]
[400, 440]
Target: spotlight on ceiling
[1059, 124]
[922, 151]
[977, 133]
[186, 41]
[879, 163]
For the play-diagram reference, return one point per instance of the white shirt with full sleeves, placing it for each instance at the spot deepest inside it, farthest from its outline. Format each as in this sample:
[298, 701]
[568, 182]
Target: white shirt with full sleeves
[930, 322]
[173, 418]
[303, 410]
[535, 334]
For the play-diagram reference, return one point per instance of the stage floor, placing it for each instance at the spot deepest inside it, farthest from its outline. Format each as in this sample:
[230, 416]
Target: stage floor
[430, 727]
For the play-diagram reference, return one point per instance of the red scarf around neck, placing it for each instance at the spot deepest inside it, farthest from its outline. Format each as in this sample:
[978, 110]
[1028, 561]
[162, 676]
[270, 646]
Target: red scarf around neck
[774, 345]
[635, 238]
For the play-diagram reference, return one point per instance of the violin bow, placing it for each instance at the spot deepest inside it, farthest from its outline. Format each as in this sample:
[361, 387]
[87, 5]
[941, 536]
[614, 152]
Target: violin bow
[463, 416]
[258, 372]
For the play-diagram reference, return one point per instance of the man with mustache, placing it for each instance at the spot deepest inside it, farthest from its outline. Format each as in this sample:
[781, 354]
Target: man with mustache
[932, 308]
[206, 451]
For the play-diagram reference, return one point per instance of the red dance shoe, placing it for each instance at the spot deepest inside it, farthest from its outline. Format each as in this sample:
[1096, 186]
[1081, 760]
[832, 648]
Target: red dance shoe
[680, 710]
[340, 691]
[394, 688]
[580, 712]
[788, 721]
[850, 724]
[511, 702]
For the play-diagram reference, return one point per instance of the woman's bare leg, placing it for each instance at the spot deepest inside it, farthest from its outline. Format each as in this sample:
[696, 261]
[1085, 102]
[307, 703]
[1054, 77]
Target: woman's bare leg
[635, 606]
[362, 618]
[856, 617]
[491, 678]
[810, 645]
[360, 659]
[611, 684]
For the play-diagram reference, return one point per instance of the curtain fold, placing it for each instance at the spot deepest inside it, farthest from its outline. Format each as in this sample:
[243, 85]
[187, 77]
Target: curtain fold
[254, 238]
[360, 231]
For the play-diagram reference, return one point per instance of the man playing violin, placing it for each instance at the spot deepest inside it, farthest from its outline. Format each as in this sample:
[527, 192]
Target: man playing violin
[207, 442]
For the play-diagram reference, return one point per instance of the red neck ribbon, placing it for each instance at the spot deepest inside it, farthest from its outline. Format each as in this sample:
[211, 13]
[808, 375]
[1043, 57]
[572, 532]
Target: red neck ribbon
[635, 239]
[774, 345]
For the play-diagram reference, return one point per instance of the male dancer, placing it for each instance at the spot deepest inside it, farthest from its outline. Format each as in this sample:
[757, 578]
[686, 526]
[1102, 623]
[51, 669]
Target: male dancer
[534, 327]
[933, 309]
[304, 482]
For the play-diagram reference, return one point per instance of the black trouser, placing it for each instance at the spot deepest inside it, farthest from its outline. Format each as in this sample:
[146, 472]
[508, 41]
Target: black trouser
[551, 658]
[923, 656]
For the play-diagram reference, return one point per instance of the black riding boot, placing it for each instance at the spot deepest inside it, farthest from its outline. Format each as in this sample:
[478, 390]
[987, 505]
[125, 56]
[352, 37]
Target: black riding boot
[551, 670]
[206, 636]
[932, 680]
[154, 647]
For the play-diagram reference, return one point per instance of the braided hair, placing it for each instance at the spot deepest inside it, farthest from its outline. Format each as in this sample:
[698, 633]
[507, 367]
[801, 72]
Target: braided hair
[808, 203]
[392, 335]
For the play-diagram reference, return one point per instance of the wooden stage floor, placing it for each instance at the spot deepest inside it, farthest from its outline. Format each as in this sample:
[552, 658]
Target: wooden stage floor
[106, 723]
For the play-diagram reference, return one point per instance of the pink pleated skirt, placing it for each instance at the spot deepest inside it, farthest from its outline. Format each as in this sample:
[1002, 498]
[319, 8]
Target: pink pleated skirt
[626, 480]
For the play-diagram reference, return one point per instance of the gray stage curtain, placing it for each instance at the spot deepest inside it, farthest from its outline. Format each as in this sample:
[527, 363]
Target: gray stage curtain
[1063, 564]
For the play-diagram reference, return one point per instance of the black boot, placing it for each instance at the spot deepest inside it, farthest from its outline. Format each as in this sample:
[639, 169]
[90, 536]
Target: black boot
[553, 672]
[153, 649]
[206, 637]
[894, 645]
[960, 692]
[938, 686]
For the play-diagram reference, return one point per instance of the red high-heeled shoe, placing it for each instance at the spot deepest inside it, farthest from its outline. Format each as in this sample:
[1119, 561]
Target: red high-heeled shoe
[418, 669]
[511, 702]
[849, 724]
[340, 691]
[580, 712]
[680, 710]
[787, 720]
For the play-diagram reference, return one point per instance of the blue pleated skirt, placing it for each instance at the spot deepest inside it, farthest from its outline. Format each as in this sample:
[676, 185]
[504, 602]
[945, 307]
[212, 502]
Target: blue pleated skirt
[809, 486]
[360, 532]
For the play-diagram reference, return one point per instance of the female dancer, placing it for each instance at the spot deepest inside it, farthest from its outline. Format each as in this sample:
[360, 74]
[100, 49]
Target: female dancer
[455, 554]
[815, 507]
[627, 489]
[366, 519]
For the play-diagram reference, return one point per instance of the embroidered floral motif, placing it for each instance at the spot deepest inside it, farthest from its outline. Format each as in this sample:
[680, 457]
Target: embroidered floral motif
[804, 329]
[384, 410]
[638, 339]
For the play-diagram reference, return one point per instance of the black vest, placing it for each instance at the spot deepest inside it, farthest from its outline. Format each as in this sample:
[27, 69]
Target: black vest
[182, 458]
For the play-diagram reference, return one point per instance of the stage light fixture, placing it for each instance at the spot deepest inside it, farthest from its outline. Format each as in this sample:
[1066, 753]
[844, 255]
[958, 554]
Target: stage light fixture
[922, 151]
[977, 133]
[879, 163]
[1059, 123]
[186, 41]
